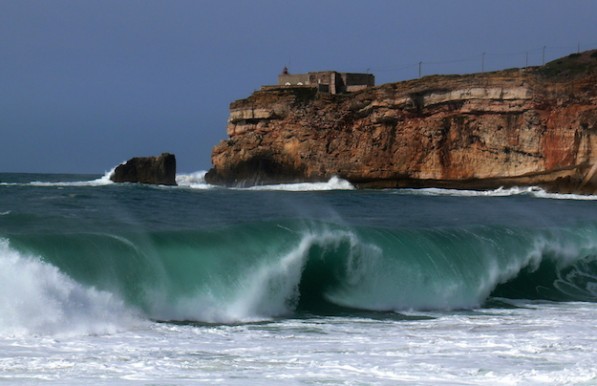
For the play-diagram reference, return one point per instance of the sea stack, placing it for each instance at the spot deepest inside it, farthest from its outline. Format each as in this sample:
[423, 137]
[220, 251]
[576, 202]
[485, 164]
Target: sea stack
[534, 126]
[160, 170]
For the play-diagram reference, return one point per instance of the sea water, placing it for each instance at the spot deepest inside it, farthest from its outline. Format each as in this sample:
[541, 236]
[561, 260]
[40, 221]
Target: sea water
[105, 283]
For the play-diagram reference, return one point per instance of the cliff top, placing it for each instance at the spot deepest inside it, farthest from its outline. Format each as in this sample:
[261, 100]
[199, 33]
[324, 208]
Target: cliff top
[571, 65]
[559, 70]
[574, 67]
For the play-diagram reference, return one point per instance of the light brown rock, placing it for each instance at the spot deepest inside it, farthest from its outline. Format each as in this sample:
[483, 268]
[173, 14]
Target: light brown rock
[533, 126]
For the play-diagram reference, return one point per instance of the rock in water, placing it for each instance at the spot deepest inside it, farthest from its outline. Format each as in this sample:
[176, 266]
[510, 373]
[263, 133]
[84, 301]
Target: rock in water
[160, 170]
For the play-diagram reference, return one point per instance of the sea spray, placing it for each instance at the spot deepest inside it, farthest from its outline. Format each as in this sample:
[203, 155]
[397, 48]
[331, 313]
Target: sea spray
[452, 269]
[36, 298]
[101, 181]
[272, 289]
[266, 290]
[269, 287]
[561, 265]
[195, 180]
[334, 183]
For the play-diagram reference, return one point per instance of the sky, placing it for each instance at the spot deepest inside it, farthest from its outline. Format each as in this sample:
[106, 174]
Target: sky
[86, 85]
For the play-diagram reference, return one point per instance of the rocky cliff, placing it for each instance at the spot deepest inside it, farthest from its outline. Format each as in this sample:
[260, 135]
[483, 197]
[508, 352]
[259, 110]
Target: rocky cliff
[531, 126]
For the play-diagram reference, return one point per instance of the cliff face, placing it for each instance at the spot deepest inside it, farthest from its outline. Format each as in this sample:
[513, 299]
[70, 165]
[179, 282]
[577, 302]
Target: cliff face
[533, 126]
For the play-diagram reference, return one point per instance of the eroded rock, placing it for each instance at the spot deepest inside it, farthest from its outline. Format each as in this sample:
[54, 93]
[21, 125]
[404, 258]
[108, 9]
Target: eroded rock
[160, 170]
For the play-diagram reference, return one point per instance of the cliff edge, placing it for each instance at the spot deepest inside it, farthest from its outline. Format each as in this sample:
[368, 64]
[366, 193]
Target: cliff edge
[519, 127]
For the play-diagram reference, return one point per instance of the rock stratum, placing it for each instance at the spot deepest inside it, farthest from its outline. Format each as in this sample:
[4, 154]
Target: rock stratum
[160, 170]
[535, 126]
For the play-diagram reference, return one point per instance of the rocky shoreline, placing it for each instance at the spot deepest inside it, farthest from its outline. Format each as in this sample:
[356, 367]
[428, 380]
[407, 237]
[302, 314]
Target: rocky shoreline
[520, 127]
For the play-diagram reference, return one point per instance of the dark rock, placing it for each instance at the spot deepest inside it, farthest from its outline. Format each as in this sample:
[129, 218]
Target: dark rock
[160, 170]
[261, 169]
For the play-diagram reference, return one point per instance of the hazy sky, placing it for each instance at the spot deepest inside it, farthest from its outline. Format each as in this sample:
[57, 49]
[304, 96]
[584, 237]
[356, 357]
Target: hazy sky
[85, 85]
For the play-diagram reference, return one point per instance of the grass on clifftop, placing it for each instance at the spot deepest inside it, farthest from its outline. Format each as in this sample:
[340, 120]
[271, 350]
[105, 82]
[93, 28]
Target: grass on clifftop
[571, 65]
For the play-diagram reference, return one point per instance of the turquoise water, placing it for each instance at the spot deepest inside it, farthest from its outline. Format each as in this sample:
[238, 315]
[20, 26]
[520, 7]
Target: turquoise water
[79, 255]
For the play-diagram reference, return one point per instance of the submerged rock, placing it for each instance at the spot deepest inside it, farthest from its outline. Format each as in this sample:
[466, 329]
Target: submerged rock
[518, 127]
[160, 170]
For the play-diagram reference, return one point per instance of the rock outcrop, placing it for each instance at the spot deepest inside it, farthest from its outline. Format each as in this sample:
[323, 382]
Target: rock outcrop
[160, 170]
[518, 127]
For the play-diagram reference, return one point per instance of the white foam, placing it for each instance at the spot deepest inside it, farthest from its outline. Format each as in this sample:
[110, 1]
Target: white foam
[37, 299]
[559, 196]
[273, 289]
[532, 191]
[536, 345]
[334, 183]
[268, 290]
[103, 180]
[195, 180]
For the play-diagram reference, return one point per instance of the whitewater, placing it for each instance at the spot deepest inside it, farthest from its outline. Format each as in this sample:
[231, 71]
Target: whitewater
[104, 283]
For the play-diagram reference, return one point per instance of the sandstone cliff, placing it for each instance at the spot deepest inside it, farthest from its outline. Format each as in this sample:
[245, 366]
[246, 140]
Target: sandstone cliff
[531, 126]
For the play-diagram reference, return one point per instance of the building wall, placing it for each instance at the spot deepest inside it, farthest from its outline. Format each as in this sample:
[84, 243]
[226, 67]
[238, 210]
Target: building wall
[356, 79]
[293, 79]
[329, 81]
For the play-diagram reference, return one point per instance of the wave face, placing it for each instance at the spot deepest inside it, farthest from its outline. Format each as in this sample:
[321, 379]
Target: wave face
[262, 270]
[96, 257]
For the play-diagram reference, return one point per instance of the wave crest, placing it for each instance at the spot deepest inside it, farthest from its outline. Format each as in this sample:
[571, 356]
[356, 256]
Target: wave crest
[36, 298]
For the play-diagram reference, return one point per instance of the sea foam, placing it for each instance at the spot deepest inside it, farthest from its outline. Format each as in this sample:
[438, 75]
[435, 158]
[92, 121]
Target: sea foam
[196, 180]
[103, 180]
[334, 183]
[37, 299]
[532, 191]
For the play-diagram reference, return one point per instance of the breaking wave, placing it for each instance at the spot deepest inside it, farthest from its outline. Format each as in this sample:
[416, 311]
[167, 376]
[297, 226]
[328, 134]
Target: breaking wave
[96, 282]
[37, 298]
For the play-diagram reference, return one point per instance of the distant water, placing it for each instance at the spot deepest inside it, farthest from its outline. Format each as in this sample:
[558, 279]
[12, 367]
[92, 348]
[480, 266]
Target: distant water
[105, 283]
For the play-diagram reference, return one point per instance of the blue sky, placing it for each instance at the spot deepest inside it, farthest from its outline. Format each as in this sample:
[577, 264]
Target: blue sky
[85, 85]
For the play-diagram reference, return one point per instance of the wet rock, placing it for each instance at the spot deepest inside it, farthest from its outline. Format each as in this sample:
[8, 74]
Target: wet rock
[160, 170]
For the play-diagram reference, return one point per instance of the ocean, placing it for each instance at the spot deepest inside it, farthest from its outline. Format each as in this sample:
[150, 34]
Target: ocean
[300, 284]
